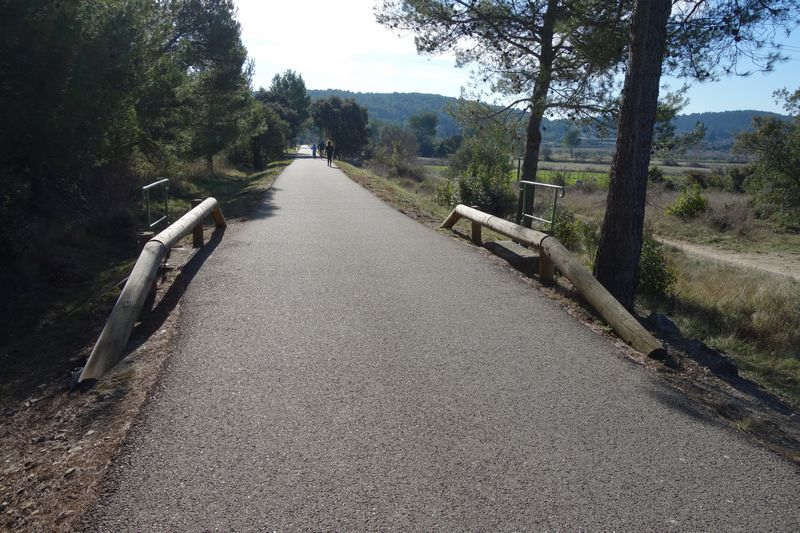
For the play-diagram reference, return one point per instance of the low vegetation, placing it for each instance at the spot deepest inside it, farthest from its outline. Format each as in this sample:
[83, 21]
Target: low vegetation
[689, 204]
[58, 318]
[753, 316]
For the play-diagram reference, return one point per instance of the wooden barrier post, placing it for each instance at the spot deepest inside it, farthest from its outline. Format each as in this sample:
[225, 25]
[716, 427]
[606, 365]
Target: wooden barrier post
[476, 231]
[476, 234]
[547, 270]
[553, 255]
[111, 344]
[197, 233]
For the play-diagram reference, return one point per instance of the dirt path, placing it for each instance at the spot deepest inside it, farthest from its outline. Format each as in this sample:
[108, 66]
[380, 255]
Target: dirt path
[784, 264]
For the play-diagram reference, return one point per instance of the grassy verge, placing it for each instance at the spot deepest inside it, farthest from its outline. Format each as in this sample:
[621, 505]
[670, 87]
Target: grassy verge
[753, 316]
[413, 197]
[56, 321]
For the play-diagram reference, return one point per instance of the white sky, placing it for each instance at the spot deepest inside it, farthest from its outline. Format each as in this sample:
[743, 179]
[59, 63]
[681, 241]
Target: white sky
[336, 44]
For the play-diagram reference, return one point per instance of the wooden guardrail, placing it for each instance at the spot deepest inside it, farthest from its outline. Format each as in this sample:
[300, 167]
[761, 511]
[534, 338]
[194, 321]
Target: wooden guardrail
[554, 255]
[114, 338]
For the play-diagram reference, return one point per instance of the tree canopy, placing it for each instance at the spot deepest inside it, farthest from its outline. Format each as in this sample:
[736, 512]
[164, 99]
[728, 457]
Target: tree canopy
[288, 97]
[775, 178]
[344, 122]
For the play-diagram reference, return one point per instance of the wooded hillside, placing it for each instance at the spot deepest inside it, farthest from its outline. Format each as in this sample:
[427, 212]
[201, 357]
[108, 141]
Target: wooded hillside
[396, 108]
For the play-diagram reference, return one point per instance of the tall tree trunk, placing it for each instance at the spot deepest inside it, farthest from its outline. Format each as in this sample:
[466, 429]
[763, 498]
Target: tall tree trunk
[541, 88]
[621, 240]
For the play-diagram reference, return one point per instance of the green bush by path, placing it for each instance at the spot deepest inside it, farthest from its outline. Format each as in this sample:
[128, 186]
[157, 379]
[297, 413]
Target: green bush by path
[656, 278]
[689, 204]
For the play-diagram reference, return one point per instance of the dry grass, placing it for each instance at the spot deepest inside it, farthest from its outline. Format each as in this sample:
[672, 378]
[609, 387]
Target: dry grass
[728, 223]
[753, 316]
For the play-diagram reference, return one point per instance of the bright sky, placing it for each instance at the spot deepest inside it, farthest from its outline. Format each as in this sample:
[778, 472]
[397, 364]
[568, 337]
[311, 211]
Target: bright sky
[336, 44]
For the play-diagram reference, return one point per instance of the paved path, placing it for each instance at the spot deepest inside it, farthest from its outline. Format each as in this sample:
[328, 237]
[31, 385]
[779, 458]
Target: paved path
[342, 367]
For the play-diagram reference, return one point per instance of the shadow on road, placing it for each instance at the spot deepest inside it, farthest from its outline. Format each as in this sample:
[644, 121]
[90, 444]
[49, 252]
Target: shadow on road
[155, 319]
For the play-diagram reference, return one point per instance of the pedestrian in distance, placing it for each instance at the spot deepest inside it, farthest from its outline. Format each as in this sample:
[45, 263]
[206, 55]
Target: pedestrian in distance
[314, 151]
[329, 152]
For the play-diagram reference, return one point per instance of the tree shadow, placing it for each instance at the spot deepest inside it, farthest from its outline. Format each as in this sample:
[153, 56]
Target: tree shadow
[253, 205]
[718, 363]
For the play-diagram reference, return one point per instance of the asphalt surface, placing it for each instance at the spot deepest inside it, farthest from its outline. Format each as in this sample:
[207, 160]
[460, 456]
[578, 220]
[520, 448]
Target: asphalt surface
[342, 367]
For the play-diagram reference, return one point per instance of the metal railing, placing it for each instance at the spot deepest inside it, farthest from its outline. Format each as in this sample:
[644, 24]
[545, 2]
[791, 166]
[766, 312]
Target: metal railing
[146, 194]
[527, 197]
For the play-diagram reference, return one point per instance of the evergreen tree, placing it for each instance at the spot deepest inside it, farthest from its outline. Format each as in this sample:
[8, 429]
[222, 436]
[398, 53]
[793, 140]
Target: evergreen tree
[424, 127]
[287, 95]
[546, 54]
[701, 39]
[344, 122]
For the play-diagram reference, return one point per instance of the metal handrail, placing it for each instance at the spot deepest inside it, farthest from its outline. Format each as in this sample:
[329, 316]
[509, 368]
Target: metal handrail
[524, 217]
[146, 195]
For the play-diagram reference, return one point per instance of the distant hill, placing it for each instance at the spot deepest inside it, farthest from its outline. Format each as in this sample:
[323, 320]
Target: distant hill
[396, 108]
[721, 127]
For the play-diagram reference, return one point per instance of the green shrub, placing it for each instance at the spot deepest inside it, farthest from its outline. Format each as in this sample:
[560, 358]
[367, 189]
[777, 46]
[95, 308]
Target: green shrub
[656, 279]
[559, 177]
[447, 193]
[575, 234]
[493, 194]
[689, 204]
[655, 175]
[567, 229]
[483, 169]
[737, 177]
[697, 178]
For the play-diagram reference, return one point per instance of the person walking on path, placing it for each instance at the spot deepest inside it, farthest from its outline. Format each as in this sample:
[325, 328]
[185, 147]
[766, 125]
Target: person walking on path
[329, 152]
[314, 151]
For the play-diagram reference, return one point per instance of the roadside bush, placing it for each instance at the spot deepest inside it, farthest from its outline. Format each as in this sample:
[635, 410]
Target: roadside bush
[718, 179]
[577, 235]
[697, 178]
[775, 147]
[733, 216]
[493, 194]
[396, 152]
[689, 204]
[656, 279]
[737, 177]
[655, 175]
[447, 193]
[483, 168]
[559, 177]
[567, 229]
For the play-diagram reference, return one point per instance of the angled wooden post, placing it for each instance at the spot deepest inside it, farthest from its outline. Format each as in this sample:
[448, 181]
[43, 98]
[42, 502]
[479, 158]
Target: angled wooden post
[197, 233]
[115, 335]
